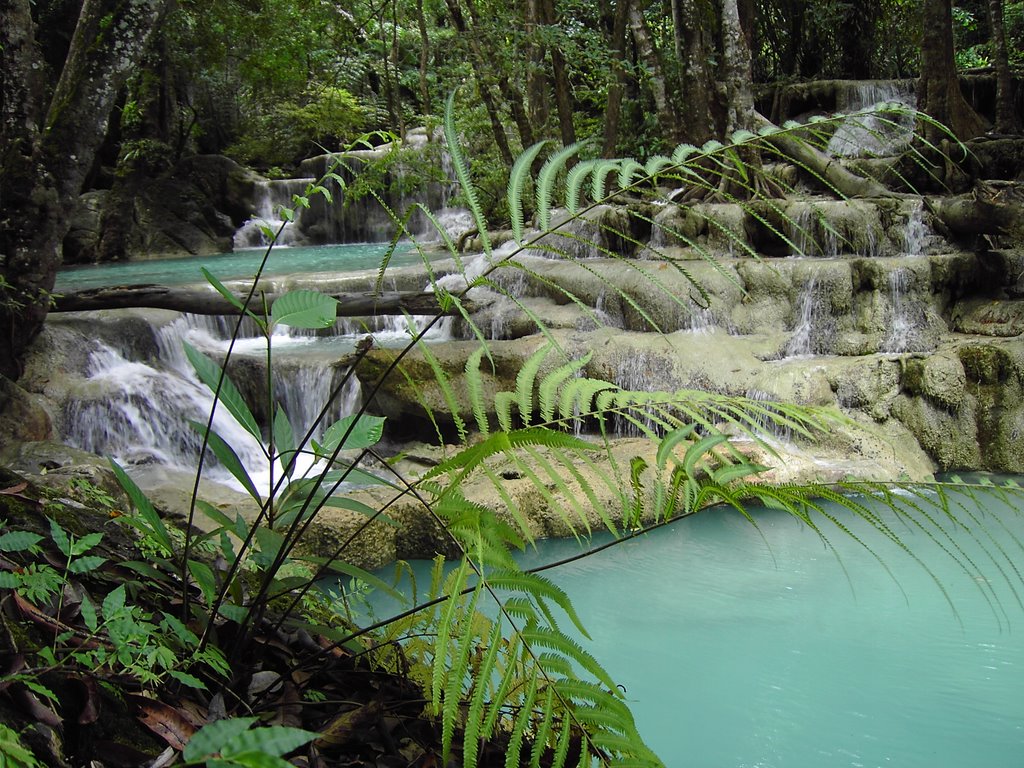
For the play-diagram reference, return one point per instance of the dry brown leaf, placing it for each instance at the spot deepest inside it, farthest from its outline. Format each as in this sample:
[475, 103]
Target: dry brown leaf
[164, 720]
[342, 728]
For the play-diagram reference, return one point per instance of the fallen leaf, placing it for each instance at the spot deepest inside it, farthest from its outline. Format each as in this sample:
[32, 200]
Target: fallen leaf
[342, 728]
[164, 720]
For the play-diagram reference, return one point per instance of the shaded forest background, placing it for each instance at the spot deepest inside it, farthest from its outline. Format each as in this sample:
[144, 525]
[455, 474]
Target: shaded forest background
[97, 94]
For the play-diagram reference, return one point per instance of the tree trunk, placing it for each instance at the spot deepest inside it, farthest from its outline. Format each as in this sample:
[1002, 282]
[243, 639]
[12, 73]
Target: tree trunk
[691, 20]
[421, 21]
[616, 85]
[736, 70]
[44, 163]
[938, 90]
[1006, 116]
[559, 80]
[825, 167]
[483, 82]
[652, 59]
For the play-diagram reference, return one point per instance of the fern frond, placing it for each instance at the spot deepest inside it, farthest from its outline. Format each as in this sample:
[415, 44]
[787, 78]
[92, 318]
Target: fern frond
[574, 183]
[516, 185]
[475, 389]
[628, 168]
[600, 173]
[546, 182]
[462, 173]
[525, 382]
[550, 384]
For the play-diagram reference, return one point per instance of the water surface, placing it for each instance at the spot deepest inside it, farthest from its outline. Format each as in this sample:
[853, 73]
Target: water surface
[741, 646]
[240, 264]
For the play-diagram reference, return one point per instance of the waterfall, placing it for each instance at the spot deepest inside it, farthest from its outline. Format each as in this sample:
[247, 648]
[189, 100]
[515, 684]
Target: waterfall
[904, 318]
[271, 196]
[303, 390]
[801, 342]
[139, 413]
[344, 216]
[644, 372]
[916, 232]
[873, 134]
[764, 425]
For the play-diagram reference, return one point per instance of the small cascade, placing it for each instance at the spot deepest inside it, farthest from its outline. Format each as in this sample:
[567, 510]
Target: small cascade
[916, 232]
[765, 426]
[800, 342]
[271, 196]
[642, 372]
[345, 218]
[812, 234]
[304, 389]
[139, 413]
[874, 134]
[700, 319]
[905, 318]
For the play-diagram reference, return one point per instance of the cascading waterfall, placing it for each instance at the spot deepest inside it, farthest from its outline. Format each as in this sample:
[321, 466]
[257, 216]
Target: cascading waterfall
[271, 196]
[801, 343]
[140, 413]
[916, 232]
[765, 426]
[873, 135]
[343, 218]
[640, 371]
[904, 320]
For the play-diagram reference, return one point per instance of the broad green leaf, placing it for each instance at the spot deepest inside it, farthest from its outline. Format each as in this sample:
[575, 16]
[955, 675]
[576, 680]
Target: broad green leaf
[87, 542]
[86, 564]
[210, 374]
[19, 541]
[60, 538]
[151, 523]
[227, 456]
[190, 680]
[113, 603]
[272, 740]
[209, 739]
[88, 613]
[284, 440]
[366, 431]
[304, 309]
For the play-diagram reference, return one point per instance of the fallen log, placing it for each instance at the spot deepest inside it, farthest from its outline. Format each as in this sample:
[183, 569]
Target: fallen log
[209, 302]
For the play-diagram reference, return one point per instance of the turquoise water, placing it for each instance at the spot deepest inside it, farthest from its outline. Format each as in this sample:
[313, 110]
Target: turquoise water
[741, 647]
[236, 265]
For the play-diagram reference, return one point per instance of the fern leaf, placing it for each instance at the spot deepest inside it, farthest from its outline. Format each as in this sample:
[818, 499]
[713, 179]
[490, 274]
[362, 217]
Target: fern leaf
[475, 389]
[457, 676]
[453, 587]
[546, 182]
[543, 731]
[473, 731]
[627, 169]
[462, 173]
[550, 384]
[516, 183]
[539, 589]
[554, 640]
[657, 164]
[521, 726]
[525, 381]
[600, 173]
[682, 153]
[574, 183]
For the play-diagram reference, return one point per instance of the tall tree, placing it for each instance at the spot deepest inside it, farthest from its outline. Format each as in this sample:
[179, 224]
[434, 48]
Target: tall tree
[48, 142]
[938, 92]
[1007, 120]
